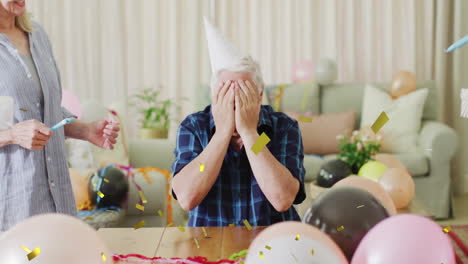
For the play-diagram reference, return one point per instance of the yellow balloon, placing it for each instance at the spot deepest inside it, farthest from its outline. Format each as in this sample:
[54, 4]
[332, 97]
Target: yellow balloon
[372, 170]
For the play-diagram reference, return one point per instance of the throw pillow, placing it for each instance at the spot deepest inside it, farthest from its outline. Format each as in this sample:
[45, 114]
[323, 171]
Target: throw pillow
[400, 133]
[319, 136]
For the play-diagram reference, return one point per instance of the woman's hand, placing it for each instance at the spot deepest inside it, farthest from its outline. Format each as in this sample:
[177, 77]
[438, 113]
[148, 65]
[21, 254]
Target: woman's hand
[103, 133]
[31, 134]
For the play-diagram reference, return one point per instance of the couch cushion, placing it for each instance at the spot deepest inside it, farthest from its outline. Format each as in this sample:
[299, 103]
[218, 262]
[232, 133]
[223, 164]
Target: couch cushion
[340, 97]
[416, 163]
[296, 97]
[312, 164]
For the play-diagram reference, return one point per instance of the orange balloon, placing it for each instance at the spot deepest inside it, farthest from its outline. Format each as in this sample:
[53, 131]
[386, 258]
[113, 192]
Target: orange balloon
[399, 185]
[372, 187]
[80, 187]
[403, 82]
[390, 161]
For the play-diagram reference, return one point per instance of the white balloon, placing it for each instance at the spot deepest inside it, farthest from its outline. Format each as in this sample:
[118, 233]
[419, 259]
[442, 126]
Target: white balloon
[288, 250]
[93, 111]
[326, 71]
[61, 239]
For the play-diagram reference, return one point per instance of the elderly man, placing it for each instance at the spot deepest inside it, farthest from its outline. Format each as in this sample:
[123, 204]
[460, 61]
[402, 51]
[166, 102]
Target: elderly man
[217, 175]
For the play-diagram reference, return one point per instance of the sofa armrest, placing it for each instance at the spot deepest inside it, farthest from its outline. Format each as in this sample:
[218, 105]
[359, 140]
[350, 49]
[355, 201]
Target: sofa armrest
[157, 153]
[438, 141]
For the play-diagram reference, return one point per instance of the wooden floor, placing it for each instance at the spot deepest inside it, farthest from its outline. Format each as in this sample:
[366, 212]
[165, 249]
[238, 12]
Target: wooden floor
[171, 242]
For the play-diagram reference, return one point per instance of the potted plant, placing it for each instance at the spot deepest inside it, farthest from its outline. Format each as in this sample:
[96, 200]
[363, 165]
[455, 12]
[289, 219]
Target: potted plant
[155, 120]
[358, 149]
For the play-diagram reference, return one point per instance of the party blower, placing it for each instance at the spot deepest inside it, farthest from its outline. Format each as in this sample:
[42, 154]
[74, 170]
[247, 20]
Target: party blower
[464, 92]
[62, 123]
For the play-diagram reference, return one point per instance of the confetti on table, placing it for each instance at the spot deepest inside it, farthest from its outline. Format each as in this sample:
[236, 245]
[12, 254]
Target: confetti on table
[340, 228]
[139, 224]
[140, 207]
[261, 254]
[106, 180]
[231, 224]
[32, 254]
[88, 218]
[360, 206]
[247, 224]
[204, 232]
[160, 213]
[196, 242]
[447, 229]
[202, 167]
[312, 252]
[103, 256]
[170, 225]
[261, 142]
[100, 194]
[142, 196]
[181, 228]
[24, 110]
[297, 237]
[268, 247]
[305, 119]
[380, 122]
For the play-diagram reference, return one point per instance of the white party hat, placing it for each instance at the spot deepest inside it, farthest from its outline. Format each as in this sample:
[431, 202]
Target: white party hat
[223, 53]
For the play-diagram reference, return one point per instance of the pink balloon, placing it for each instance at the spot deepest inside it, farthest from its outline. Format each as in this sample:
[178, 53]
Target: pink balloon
[303, 71]
[372, 187]
[389, 160]
[405, 239]
[61, 239]
[71, 102]
[399, 185]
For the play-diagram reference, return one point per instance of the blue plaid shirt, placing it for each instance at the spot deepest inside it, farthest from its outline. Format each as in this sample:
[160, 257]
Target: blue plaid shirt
[236, 195]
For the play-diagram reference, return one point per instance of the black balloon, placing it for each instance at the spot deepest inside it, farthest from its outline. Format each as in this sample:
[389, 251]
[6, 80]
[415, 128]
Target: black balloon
[346, 214]
[333, 171]
[115, 188]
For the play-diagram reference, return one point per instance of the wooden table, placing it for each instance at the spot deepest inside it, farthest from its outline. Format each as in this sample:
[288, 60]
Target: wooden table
[170, 242]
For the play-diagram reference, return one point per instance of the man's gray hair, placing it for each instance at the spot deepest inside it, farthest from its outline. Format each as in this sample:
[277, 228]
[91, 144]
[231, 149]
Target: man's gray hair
[247, 64]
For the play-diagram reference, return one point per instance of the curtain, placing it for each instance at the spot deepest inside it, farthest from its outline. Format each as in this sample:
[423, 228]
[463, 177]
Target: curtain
[111, 49]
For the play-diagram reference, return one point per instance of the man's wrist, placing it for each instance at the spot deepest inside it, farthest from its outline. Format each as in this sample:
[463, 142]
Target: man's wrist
[249, 136]
[223, 136]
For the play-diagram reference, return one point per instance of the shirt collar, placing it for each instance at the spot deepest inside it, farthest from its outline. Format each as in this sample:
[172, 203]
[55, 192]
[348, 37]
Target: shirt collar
[264, 122]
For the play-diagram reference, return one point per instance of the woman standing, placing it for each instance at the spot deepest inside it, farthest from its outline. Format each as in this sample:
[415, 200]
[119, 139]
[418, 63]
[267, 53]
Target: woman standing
[33, 168]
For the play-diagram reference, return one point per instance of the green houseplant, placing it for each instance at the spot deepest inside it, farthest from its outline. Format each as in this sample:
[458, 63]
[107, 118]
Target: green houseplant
[155, 113]
[357, 149]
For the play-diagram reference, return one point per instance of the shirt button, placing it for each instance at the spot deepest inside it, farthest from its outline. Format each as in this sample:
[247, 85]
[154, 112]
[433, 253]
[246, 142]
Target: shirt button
[49, 159]
[29, 76]
[38, 105]
[52, 184]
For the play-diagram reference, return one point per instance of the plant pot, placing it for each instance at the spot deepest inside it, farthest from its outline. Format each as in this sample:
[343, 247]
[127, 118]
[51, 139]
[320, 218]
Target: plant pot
[148, 133]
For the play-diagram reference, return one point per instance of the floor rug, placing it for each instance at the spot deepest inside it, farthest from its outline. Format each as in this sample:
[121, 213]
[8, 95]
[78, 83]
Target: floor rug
[459, 236]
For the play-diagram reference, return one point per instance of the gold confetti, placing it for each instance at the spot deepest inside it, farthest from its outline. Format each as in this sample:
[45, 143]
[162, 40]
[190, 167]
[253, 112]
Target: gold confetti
[103, 256]
[247, 224]
[142, 197]
[305, 119]
[261, 254]
[261, 142]
[89, 218]
[100, 194]
[26, 249]
[241, 262]
[106, 180]
[268, 247]
[160, 213]
[170, 225]
[447, 229]
[139, 224]
[24, 110]
[340, 228]
[204, 232]
[380, 122]
[181, 228]
[140, 207]
[34, 253]
[297, 237]
[202, 167]
[312, 252]
[196, 243]
[232, 224]
[360, 206]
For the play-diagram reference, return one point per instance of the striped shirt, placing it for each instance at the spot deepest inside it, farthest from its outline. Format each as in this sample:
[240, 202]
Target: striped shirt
[236, 195]
[33, 182]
